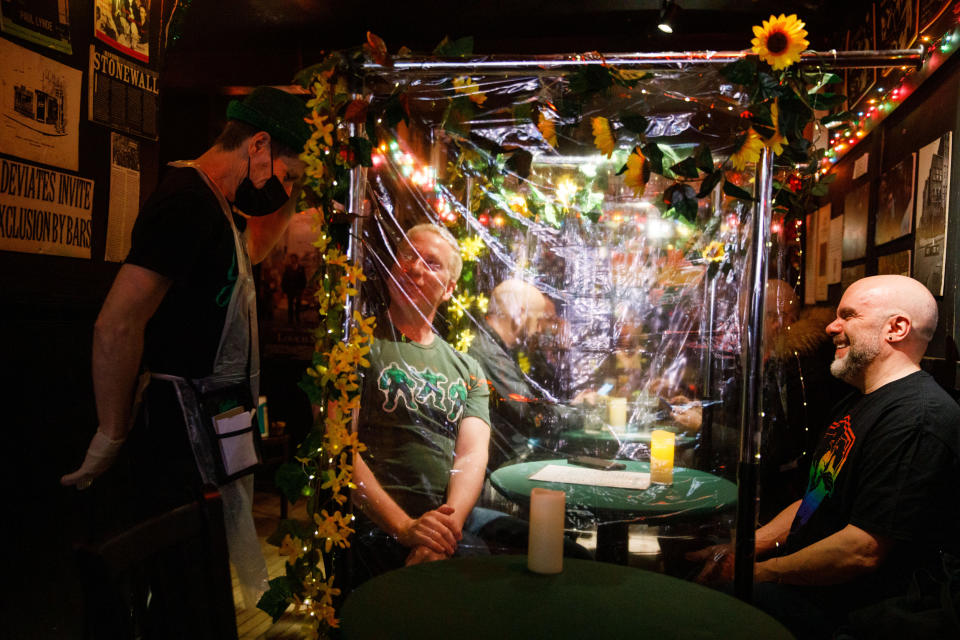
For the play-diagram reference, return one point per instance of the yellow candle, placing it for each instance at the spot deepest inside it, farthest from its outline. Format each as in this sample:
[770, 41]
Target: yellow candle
[617, 413]
[545, 544]
[661, 456]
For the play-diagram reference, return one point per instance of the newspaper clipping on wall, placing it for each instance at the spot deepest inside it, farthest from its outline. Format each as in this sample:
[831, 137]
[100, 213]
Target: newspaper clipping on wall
[123, 94]
[44, 211]
[933, 187]
[124, 195]
[43, 22]
[124, 25]
[39, 107]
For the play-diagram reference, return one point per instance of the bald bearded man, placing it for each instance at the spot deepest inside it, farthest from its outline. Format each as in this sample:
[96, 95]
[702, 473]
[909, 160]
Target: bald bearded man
[881, 498]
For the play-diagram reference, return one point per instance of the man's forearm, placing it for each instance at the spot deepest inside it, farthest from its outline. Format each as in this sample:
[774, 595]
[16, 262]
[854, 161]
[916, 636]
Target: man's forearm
[115, 364]
[375, 502]
[841, 557]
[469, 467]
[774, 533]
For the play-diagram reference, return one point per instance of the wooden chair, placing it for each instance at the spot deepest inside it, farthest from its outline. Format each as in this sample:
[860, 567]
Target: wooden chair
[165, 577]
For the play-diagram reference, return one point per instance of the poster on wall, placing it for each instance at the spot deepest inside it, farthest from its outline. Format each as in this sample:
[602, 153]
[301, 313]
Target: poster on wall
[855, 208]
[43, 22]
[287, 310]
[897, 264]
[124, 195]
[895, 201]
[44, 211]
[123, 95]
[836, 250]
[823, 251]
[862, 38]
[39, 107]
[933, 206]
[124, 25]
[897, 25]
[930, 11]
[849, 275]
[810, 264]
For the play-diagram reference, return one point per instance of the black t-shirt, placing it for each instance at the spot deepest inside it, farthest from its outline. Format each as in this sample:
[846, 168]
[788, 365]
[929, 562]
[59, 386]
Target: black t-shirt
[888, 464]
[181, 233]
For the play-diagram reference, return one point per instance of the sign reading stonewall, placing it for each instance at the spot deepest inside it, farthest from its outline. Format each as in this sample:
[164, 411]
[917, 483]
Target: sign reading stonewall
[44, 211]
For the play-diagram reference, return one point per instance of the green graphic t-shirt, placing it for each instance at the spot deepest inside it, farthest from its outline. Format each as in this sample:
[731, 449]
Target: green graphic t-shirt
[414, 397]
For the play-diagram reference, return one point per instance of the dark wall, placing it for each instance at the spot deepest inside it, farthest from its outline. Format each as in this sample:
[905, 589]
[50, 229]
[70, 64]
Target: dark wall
[924, 116]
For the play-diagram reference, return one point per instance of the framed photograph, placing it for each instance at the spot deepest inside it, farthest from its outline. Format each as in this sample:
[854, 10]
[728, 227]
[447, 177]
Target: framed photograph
[849, 275]
[933, 206]
[930, 11]
[897, 24]
[863, 38]
[897, 264]
[856, 206]
[895, 201]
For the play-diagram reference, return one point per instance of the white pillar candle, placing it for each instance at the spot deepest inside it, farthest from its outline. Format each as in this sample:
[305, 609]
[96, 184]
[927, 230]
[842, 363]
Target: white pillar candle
[661, 456]
[617, 413]
[545, 545]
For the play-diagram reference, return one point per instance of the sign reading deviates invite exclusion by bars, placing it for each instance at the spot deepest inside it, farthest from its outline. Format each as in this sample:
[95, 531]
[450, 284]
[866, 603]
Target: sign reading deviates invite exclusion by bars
[123, 95]
[44, 211]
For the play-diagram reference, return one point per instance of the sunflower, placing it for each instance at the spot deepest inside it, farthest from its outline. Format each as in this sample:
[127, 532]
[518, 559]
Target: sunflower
[748, 152]
[776, 141]
[547, 129]
[603, 136]
[633, 177]
[780, 40]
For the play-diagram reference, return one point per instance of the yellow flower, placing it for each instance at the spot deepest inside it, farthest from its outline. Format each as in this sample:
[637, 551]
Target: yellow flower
[523, 362]
[464, 340]
[603, 136]
[777, 140]
[548, 129]
[780, 40]
[471, 248]
[748, 152]
[481, 302]
[290, 547]
[714, 252]
[468, 87]
[365, 325]
[633, 177]
[323, 129]
[334, 257]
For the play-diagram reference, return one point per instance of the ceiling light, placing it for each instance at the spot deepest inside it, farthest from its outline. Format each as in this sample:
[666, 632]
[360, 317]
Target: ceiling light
[668, 16]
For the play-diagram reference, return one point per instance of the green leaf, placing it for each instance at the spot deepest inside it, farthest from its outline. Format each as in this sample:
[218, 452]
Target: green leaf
[454, 48]
[686, 168]
[311, 444]
[824, 101]
[589, 79]
[840, 116]
[636, 123]
[703, 158]
[820, 189]
[734, 191]
[291, 479]
[362, 148]
[818, 79]
[743, 71]
[768, 87]
[278, 597]
[519, 162]
[709, 183]
[654, 156]
[457, 118]
[523, 112]
[393, 112]
[794, 116]
[682, 199]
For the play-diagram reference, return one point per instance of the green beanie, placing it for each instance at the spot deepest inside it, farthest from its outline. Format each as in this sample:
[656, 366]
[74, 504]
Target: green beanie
[277, 112]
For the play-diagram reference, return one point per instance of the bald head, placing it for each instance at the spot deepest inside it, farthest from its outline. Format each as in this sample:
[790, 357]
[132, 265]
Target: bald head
[516, 310]
[890, 295]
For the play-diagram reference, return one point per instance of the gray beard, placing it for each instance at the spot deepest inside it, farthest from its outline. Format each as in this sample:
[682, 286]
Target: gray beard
[849, 367]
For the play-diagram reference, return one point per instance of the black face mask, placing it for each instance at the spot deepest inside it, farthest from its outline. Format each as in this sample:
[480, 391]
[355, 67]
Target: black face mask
[263, 201]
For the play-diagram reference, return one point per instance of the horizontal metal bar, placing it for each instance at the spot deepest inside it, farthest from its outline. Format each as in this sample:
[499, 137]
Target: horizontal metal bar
[545, 64]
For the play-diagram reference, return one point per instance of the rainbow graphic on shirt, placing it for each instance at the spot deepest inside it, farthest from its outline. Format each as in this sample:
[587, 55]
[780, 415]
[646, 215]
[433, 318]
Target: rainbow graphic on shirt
[839, 440]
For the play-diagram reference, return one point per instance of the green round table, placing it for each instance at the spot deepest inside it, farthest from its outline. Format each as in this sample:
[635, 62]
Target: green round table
[498, 597]
[693, 495]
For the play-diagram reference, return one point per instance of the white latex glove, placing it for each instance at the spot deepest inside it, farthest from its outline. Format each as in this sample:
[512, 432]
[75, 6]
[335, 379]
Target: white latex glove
[100, 455]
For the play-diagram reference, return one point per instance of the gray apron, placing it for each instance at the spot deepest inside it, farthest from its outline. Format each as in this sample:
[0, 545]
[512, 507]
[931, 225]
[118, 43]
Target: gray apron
[237, 361]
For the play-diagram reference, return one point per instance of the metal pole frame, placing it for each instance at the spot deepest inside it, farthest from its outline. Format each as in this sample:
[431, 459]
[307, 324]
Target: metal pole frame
[751, 396]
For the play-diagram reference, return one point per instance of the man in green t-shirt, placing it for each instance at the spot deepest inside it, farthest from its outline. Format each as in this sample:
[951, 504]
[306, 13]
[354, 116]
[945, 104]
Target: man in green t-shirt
[424, 418]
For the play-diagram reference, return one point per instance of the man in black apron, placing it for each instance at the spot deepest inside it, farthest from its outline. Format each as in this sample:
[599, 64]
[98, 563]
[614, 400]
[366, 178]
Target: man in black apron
[178, 326]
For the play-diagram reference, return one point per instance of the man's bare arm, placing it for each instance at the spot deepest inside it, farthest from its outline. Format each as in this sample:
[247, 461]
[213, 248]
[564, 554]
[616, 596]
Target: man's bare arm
[469, 467]
[841, 557]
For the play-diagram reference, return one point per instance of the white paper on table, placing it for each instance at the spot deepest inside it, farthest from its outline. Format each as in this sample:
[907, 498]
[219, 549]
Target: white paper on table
[595, 477]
